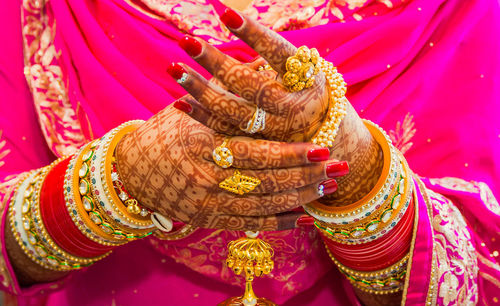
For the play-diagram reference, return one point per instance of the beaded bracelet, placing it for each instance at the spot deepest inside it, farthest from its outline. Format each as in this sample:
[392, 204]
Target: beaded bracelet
[337, 105]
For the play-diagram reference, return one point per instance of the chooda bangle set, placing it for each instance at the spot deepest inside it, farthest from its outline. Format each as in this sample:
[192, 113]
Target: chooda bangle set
[74, 212]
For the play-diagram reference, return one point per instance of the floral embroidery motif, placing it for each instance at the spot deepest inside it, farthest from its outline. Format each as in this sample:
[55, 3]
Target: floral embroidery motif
[206, 254]
[488, 198]
[404, 132]
[3, 152]
[455, 183]
[58, 120]
[457, 261]
[198, 17]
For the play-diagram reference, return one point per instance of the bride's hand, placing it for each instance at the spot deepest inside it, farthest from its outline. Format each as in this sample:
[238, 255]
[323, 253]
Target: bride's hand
[290, 116]
[167, 165]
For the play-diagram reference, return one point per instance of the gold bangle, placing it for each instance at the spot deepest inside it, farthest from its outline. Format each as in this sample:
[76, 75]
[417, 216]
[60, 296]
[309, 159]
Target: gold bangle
[384, 281]
[367, 228]
[74, 261]
[116, 203]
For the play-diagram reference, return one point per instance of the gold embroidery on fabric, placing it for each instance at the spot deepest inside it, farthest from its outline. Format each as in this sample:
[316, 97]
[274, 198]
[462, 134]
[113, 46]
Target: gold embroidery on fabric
[490, 278]
[454, 183]
[455, 253]
[404, 132]
[488, 198]
[198, 17]
[3, 152]
[433, 279]
[211, 250]
[487, 262]
[60, 125]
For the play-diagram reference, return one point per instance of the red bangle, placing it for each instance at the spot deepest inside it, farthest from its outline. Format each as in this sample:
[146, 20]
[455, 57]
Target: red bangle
[378, 254]
[57, 220]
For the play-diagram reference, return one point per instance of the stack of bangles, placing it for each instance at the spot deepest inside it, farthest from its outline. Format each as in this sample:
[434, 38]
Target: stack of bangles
[368, 240]
[75, 211]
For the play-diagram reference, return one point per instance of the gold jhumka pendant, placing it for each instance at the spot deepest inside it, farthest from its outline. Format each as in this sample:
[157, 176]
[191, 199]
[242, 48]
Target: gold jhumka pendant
[252, 256]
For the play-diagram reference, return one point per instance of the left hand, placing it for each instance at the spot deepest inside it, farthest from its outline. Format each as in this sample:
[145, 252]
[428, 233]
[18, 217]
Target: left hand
[291, 116]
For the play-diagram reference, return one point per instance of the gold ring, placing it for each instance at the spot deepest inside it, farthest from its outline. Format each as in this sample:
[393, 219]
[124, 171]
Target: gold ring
[257, 123]
[239, 183]
[301, 69]
[222, 155]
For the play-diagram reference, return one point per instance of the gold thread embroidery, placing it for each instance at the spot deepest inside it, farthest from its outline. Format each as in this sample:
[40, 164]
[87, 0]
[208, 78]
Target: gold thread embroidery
[404, 132]
[3, 152]
[60, 125]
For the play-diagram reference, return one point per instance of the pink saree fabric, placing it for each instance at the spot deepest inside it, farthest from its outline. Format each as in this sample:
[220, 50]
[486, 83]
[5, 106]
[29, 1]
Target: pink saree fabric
[434, 60]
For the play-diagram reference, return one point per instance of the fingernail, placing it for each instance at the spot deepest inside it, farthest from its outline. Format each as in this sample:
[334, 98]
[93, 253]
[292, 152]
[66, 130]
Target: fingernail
[327, 187]
[232, 19]
[337, 169]
[192, 46]
[177, 72]
[305, 221]
[317, 155]
[183, 106]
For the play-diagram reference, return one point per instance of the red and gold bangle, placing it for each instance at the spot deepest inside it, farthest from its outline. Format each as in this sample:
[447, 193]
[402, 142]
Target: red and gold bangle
[379, 253]
[58, 221]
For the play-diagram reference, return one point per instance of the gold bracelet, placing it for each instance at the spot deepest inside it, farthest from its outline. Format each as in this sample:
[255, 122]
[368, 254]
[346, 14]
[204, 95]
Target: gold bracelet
[337, 109]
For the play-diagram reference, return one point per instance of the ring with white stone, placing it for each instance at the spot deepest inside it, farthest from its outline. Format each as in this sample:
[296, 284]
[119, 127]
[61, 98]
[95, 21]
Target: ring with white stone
[257, 123]
[321, 190]
[222, 155]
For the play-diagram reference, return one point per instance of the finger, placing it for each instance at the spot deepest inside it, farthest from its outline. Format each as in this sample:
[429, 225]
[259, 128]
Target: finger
[268, 204]
[219, 102]
[277, 222]
[259, 88]
[250, 153]
[199, 113]
[284, 179]
[269, 44]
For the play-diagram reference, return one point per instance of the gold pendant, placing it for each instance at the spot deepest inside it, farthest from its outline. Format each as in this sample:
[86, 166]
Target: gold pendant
[252, 256]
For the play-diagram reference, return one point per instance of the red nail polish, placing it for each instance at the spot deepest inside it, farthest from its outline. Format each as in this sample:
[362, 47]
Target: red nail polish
[232, 19]
[176, 71]
[192, 46]
[317, 155]
[329, 186]
[337, 169]
[305, 221]
[183, 106]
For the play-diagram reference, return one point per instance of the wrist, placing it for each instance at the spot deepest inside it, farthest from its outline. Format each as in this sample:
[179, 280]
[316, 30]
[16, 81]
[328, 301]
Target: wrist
[358, 147]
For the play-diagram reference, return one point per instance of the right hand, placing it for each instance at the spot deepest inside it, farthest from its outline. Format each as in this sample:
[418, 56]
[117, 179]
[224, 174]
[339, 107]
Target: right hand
[167, 166]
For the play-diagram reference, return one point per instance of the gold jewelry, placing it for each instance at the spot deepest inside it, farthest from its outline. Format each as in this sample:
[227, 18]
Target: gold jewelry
[301, 69]
[251, 257]
[337, 108]
[384, 281]
[222, 155]
[239, 183]
[257, 123]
